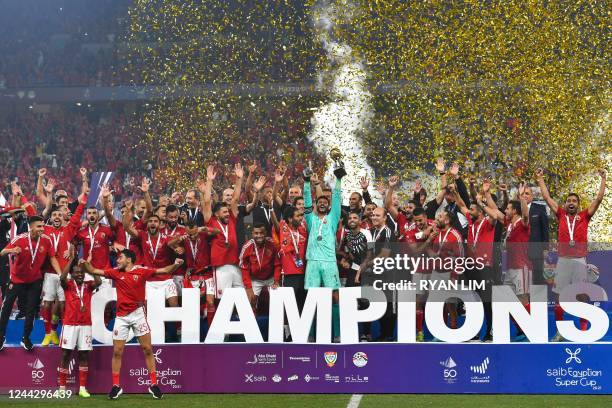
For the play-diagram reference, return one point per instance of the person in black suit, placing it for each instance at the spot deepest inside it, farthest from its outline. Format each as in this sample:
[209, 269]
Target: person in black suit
[539, 236]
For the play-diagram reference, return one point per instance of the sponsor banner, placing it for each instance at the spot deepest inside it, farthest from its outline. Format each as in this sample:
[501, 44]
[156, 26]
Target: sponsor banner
[562, 368]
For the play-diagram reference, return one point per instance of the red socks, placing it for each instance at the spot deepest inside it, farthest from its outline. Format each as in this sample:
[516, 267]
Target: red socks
[83, 370]
[419, 320]
[63, 373]
[558, 312]
[210, 314]
[153, 377]
[46, 316]
[116, 379]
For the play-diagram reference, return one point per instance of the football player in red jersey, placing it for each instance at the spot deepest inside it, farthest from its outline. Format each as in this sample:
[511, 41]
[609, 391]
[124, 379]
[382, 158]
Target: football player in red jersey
[130, 282]
[96, 239]
[224, 246]
[76, 329]
[259, 263]
[573, 240]
[61, 234]
[30, 251]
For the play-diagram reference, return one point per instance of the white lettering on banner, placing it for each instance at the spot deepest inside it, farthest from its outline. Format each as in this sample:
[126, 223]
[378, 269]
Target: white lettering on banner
[188, 314]
[434, 317]
[282, 300]
[222, 323]
[319, 303]
[597, 317]
[508, 305]
[351, 316]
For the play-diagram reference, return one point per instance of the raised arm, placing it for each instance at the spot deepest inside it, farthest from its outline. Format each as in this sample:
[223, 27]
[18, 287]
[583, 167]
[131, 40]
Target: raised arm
[88, 267]
[460, 203]
[393, 181]
[365, 183]
[545, 194]
[250, 178]
[84, 181]
[128, 220]
[259, 184]
[237, 188]
[461, 188]
[144, 187]
[108, 211]
[473, 192]
[336, 204]
[491, 208]
[600, 194]
[40, 191]
[206, 190]
[317, 183]
[524, 207]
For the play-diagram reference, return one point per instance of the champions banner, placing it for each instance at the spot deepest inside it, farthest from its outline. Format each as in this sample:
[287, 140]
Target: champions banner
[360, 368]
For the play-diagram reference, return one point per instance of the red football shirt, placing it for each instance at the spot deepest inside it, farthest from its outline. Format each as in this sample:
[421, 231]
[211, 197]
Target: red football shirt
[125, 239]
[410, 237]
[73, 315]
[27, 265]
[292, 248]
[99, 246]
[259, 263]
[517, 244]
[155, 253]
[130, 287]
[61, 238]
[220, 254]
[448, 245]
[580, 225]
[197, 253]
[170, 234]
[481, 235]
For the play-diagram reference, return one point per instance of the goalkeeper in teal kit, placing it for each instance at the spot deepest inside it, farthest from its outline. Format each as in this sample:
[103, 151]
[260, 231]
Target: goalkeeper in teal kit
[322, 223]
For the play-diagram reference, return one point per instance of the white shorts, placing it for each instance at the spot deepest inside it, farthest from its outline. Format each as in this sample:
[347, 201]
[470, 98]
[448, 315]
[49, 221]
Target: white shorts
[167, 285]
[207, 284]
[258, 285]
[569, 271]
[76, 336]
[136, 321]
[227, 276]
[419, 277]
[52, 289]
[519, 280]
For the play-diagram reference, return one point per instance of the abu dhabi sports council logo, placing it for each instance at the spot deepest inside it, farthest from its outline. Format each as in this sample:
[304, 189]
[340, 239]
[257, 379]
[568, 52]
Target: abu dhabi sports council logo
[573, 355]
[450, 372]
[330, 358]
[262, 358]
[360, 359]
[480, 371]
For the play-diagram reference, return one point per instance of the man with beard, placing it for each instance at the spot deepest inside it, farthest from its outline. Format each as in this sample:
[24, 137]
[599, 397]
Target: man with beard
[418, 240]
[380, 247]
[446, 245]
[61, 235]
[172, 230]
[322, 223]
[481, 236]
[31, 251]
[403, 218]
[259, 263]
[130, 283]
[199, 275]
[366, 219]
[293, 241]
[353, 251]
[123, 240]
[223, 246]
[573, 241]
[155, 254]
[96, 240]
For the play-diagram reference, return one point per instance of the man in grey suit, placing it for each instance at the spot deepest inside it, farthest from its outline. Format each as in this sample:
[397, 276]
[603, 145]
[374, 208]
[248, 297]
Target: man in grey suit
[539, 235]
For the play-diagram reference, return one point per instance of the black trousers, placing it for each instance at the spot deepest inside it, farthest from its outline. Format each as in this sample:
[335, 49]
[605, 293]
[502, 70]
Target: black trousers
[30, 294]
[538, 271]
[297, 283]
[487, 275]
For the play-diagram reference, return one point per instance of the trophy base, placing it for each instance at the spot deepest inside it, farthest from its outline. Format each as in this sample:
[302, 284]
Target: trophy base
[340, 172]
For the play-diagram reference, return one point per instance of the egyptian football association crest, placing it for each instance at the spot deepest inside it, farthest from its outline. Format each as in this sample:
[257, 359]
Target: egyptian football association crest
[330, 358]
